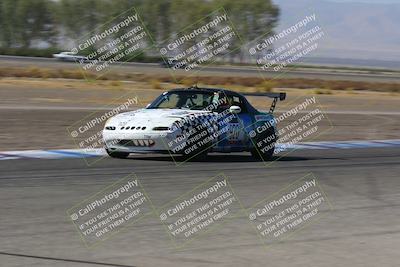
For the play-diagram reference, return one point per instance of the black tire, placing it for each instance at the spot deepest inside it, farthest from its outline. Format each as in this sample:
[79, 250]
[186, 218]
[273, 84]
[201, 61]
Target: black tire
[118, 155]
[266, 154]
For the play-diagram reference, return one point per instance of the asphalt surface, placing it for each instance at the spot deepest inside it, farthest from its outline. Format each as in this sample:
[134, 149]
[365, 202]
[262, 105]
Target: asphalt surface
[362, 185]
[362, 229]
[155, 68]
[52, 132]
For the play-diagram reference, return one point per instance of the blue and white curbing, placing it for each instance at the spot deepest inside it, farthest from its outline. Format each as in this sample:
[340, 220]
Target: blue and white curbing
[52, 154]
[85, 153]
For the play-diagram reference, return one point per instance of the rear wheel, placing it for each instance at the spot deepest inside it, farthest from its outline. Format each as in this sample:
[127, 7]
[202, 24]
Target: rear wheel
[266, 156]
[266, 151]
[118, 155]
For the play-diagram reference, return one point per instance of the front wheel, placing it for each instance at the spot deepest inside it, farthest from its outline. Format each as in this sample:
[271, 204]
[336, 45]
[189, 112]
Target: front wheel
[198, 143]
[118, 155]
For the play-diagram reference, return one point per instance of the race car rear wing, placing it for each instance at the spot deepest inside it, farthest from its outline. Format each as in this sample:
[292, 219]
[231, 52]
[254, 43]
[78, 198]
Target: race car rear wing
[275, 96]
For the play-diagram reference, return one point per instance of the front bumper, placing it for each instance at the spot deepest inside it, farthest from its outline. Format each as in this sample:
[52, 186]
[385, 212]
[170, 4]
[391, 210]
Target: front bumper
[149, 142]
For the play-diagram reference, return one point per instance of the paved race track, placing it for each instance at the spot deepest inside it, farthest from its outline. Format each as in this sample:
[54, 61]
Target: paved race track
[361, 230]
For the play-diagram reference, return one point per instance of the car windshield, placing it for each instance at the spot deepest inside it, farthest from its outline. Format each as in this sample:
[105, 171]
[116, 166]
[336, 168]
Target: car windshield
[185, 100]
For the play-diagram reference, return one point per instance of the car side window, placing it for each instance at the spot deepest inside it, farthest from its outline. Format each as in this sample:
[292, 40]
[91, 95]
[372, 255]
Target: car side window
[171, 101]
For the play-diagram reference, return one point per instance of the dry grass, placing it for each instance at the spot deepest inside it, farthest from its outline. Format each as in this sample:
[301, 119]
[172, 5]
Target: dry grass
[266, 86]
[188, 82]
[322, 91]
[257, 84]
[116, 83]
[155, 84]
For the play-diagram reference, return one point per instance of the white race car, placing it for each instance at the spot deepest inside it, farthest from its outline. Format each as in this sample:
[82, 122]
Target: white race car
[192, 122]
[69, 56]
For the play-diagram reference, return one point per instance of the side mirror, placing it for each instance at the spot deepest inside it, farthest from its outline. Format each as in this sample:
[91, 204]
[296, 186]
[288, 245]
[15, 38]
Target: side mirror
[235, 109]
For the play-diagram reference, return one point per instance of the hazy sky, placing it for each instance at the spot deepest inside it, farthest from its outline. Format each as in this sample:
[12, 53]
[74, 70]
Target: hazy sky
[349, 1]
[353, 1]
[367, 1]
[349, 31]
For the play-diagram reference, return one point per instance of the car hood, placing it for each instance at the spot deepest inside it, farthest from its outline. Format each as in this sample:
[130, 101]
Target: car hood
[152, 117]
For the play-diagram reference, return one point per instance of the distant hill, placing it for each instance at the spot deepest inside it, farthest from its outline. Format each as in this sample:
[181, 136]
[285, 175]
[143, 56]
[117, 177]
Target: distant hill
[352, 30]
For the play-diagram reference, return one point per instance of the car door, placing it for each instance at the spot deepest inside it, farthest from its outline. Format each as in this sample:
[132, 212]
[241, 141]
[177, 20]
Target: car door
[235, 138]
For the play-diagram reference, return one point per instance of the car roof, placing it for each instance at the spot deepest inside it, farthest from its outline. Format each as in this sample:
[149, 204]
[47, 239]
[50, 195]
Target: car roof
[196, 89]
